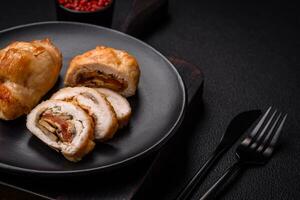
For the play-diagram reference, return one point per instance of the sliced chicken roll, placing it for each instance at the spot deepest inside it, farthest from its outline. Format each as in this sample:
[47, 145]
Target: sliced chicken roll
[120, 105]
[64, 127]
[96, 105]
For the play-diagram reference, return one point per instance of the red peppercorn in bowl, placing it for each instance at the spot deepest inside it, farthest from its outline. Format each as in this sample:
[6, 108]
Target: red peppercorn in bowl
[85, 5]
[98, 12]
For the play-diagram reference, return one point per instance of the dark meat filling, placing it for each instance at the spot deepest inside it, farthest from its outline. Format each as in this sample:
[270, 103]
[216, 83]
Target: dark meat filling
[58, 124]
[97, 79]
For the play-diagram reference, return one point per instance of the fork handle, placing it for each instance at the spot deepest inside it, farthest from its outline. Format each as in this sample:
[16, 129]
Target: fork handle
[222, 181]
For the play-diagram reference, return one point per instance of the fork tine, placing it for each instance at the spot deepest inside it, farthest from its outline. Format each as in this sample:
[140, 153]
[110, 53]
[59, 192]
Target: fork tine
[269, 149]
[277, 133]
[249, 139]
[269, 133]
[259, 124]
[256, 141]
[266, 127]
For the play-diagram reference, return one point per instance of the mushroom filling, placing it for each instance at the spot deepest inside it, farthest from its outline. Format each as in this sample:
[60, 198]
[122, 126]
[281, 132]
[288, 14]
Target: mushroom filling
[57, 126]
[97, 78]
[89, 96]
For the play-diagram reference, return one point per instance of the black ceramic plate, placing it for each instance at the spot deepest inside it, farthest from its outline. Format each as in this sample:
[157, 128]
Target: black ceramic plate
[158, 106]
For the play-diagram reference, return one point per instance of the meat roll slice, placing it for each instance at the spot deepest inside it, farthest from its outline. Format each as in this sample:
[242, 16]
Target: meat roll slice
[120, 105]
[64, 127]
[105, 67]
[96, 105]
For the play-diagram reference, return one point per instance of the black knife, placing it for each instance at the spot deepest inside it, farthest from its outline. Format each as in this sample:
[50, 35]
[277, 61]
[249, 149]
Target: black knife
[236, 128]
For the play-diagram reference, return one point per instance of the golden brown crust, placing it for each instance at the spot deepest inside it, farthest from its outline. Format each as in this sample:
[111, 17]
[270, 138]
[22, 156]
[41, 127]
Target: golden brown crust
[105, 59]
[84, 150]
[28, 70]
[8, 104]
[124, 121]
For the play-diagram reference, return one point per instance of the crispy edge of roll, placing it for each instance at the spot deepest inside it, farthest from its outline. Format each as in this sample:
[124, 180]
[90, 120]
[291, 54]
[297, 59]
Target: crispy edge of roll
[80, 145]
[120, 105]
[9, 103]
[17, 97]
[96, 105]
[113, 62]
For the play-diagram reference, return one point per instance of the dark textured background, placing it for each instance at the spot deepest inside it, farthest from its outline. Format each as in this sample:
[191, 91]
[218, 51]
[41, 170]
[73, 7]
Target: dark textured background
[249, 53]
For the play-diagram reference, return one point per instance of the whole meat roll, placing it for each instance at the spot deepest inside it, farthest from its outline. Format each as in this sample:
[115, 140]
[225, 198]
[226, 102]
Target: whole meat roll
[96, 105]
[64, 127]
[104, 67]
[28, 70]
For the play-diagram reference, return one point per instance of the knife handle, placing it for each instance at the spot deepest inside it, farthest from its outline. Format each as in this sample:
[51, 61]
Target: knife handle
[227, 177]
[199, 176]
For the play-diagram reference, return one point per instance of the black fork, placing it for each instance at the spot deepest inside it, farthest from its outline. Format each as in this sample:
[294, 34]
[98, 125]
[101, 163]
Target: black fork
[256, 149]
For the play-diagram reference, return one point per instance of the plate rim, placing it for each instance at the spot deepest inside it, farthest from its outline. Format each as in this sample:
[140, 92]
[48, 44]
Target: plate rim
[157, 145]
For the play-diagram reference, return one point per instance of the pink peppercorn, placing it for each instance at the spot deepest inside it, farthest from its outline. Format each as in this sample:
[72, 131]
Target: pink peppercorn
[84, 5]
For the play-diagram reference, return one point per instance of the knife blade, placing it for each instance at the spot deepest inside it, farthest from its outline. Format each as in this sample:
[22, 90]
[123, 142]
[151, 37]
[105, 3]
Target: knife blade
[236, 128]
